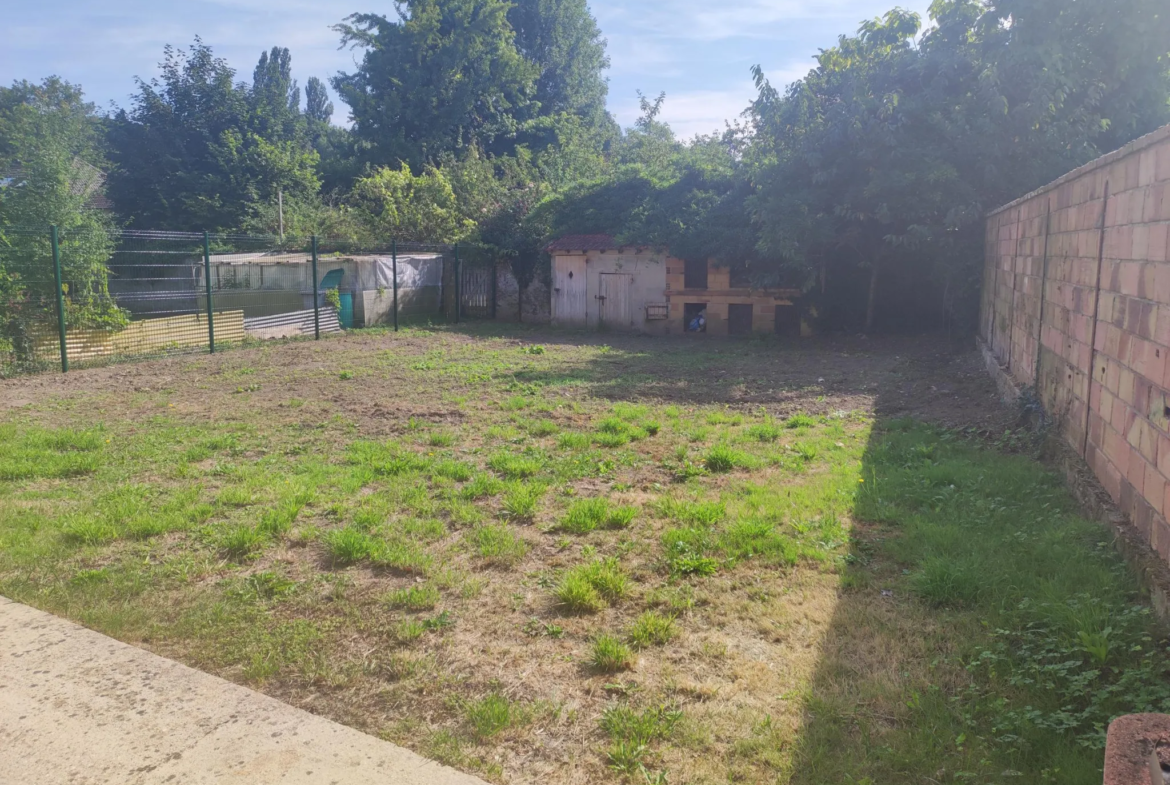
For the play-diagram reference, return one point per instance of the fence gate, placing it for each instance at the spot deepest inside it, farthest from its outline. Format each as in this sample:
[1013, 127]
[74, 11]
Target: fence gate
[477, 290]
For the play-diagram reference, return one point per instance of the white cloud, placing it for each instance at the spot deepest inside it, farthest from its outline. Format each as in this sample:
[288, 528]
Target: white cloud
[705, 111]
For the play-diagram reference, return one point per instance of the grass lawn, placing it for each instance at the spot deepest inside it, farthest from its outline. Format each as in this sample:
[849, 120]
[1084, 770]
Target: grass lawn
[556, 558]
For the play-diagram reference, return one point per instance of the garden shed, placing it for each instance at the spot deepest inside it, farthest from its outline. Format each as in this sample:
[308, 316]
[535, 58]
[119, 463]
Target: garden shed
[600, 283]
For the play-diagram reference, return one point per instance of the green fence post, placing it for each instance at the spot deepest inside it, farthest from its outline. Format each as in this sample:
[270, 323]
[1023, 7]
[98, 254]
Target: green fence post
[316, 296]
[60, 297]
[207, 282]
[394, 272]
[458, 285]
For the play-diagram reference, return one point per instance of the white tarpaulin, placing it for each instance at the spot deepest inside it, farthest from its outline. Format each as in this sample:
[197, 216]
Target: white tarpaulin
[414, 271]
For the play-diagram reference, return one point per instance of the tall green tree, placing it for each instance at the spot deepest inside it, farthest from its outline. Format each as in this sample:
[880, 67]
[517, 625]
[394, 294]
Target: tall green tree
[562, 39]
[198, 150]
[445, 75]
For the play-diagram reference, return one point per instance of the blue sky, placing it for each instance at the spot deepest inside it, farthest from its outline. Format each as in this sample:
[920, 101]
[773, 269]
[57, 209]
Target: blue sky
[698, 51]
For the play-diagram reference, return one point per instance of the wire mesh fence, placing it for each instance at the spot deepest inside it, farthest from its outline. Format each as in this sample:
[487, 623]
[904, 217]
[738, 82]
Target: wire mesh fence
[72, 299]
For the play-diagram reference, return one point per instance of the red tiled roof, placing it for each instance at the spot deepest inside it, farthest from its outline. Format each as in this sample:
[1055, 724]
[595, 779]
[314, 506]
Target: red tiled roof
[582, 242]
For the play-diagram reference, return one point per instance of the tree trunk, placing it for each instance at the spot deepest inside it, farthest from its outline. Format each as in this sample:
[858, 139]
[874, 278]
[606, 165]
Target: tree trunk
[519, 303]
[869, 308]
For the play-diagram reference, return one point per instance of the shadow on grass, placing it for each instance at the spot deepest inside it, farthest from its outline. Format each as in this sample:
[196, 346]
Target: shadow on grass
[984, 631]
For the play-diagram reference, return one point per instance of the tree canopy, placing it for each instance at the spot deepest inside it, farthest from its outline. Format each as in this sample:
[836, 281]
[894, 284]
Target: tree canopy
[865, 182]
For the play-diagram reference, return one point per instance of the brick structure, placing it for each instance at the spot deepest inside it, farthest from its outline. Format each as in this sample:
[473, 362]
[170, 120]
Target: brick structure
[720, 297]
[1076, 303]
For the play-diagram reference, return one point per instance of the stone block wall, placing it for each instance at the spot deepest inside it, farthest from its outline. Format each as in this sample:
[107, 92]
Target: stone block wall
[1076, 304]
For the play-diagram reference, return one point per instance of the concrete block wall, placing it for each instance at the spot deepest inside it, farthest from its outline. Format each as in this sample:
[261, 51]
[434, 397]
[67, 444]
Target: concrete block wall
[1076, 303]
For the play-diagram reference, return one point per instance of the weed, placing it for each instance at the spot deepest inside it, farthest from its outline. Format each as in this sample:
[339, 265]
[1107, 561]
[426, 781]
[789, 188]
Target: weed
[573, 441]
[515, 467]
[349, 545]
[498, 544]
[459, 471]
[542, 428]
[345, 375]
[947, 584]
[621, 723]
[764, 432]
[722, 458]
[422, 597]
[440, 439]
[491, 714]
[610, 655]
[799, 421]
[651, 629]
[481, 486]
[521, 500]
[536, 628]
[242, 541]
[585, 515]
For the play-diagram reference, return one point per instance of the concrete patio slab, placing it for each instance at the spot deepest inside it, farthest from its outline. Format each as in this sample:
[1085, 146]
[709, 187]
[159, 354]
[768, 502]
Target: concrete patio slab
[81, 708]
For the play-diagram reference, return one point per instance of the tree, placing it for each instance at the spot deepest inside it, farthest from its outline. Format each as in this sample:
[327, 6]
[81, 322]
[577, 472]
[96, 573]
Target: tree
[197, 150]
[394, 203]
[318, 107]
[563, 40]
[445, 76]
[48, 151]
[888, 154]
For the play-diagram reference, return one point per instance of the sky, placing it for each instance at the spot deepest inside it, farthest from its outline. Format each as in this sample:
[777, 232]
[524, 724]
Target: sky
[698, 52]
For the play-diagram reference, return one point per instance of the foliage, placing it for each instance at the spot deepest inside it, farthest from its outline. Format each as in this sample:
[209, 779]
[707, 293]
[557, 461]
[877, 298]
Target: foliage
[49, 152]
[395, 203]
[197, 149]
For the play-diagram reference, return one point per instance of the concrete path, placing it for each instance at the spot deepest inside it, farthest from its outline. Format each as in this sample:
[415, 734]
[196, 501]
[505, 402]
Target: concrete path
[80, 708]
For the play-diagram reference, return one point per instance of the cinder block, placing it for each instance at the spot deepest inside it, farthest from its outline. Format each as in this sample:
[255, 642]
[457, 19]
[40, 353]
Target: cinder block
[1154, 489]
[1136, 472]
[1157, 250]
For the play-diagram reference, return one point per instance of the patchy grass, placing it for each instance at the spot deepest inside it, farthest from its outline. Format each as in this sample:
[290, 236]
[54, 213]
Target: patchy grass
[623, 563]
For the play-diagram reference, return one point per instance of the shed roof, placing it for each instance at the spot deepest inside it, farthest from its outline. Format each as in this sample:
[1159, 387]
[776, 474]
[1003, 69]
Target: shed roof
[582, 242]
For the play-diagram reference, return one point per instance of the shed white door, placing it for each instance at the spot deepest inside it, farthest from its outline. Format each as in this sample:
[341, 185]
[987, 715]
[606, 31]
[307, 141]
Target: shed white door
[568, 302]
[614, 297]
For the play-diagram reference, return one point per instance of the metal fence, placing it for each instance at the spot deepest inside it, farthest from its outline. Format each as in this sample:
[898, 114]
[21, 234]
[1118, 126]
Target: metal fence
[83, 298]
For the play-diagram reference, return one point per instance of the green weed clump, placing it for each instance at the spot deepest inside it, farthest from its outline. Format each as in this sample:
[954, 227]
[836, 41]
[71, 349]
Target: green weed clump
[651, 628]
[521, 500]
[588, 588]
[632, 733]
[764, 432]
[799, 421]
[498, 544]
[418, 598]
[723, 458]
[610, 655]
[515, 467]
[586, 515]
[492, 714]
[349, 545]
